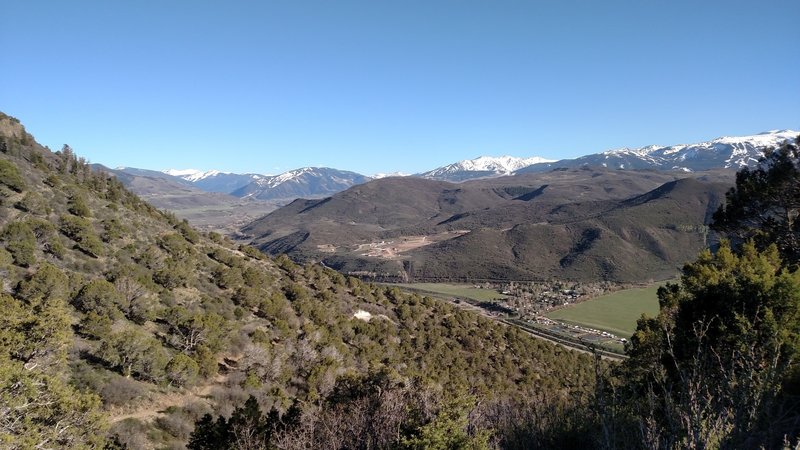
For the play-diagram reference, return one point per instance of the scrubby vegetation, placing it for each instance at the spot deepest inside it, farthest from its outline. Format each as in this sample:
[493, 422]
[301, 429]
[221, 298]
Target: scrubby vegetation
[123, 327]
[718, 368]
[586, 224]
[123, 324]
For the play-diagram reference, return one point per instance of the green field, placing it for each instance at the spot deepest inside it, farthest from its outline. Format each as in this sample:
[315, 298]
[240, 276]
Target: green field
[616, 313]
[454, 290]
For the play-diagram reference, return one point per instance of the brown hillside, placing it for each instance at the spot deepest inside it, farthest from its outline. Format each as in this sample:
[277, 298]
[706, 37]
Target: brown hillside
[578, 224]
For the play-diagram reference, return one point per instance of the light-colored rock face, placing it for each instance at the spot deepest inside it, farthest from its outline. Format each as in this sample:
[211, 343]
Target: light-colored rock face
[362, 315]
[10, 127]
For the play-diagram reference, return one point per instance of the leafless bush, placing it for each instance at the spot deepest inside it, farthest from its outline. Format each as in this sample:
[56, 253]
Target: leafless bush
[226, 399]
[121, 391]
[177, 424]
[132, 433]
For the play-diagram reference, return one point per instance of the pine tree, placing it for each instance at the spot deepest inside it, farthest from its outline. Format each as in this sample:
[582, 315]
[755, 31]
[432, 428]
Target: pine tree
[765, 204]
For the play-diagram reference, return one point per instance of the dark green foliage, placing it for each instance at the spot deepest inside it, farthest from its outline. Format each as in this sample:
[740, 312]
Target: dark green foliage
[188, 232]
[44, 322]
[252, 252]
[33, 203]
[176, 246]
[136, 289]
[294, 292]
[96, 326]
[255, 278]
[448, 430]
[206, 361]
[47, 235]
[718, 366]
[101, 297]
[223, 256]
[20, 242]
[248, 297]
[10, 176]
[765, 204]
[158, 306]
[80, 230]
[227, 278]
[182, 370]
[52, 180]
[134, 352]
[77, 206]
[115, 191]
[112, 230]
[590, 225]
[48, 282]
[209, 434]
[141, 309]
[259, 336]
[39, 409]
[174, 273]
[190, 329]
[246, 428]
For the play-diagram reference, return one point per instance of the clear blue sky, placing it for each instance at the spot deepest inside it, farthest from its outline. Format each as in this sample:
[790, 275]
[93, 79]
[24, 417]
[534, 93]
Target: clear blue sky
[382, 85]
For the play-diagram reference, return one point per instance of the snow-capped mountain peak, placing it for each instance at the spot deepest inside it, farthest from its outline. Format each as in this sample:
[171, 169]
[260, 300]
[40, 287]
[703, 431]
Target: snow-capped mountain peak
[182, 172]
[193, 175]
[378, 176]
[214, 180]
[304, 182]
[729, 152]
[771, 138]
[482, 166]
[285, 176]
[503, 164]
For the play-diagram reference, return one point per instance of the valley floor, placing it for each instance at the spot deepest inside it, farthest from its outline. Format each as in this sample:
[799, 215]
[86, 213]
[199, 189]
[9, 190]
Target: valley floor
[601, 323]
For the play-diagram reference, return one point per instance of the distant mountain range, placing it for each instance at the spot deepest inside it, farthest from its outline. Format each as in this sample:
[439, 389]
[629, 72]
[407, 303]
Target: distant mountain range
[313, 182]
[198, 195]
[308, 182]
[208, 210]
[482, 167]
[596, 217]
[226, 201]
[214, 180]
[720, 153]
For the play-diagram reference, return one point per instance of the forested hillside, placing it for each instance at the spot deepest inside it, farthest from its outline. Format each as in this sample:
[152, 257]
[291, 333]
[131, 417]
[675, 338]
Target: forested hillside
[123, 326]
[583, 224]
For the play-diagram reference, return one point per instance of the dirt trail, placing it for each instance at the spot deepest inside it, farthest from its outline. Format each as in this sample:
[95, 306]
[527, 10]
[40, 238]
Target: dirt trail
[151, 410]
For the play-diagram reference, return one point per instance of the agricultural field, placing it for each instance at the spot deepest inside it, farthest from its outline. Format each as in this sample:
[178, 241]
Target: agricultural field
[615, 313]
[454, 290]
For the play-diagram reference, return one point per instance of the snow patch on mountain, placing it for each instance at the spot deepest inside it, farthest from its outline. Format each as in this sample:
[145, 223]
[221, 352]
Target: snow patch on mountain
[304, 182]
[483, 166]
[271, 182]
[378, 176]
[500, 164]
[182, 172]
[193, 175]
[737, 151]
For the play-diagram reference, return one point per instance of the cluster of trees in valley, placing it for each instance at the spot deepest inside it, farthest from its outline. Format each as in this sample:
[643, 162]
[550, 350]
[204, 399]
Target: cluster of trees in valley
[124, 327]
